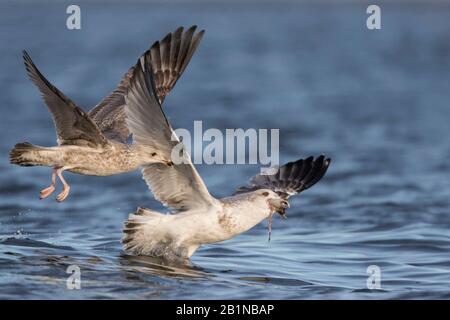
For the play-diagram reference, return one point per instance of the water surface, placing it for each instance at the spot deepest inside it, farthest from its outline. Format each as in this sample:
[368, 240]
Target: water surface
[377, 102]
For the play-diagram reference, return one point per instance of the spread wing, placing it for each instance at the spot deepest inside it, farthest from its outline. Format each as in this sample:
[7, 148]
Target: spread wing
[73, 125]
[109, 113]
[168, 58]
[177, 186]
[291, 178]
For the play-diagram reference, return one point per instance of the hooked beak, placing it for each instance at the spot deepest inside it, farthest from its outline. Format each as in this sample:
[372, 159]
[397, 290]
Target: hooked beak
[279, 205]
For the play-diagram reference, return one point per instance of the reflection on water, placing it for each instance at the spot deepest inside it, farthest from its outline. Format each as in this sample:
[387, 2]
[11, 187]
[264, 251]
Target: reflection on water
[161, 267]
[376, 102]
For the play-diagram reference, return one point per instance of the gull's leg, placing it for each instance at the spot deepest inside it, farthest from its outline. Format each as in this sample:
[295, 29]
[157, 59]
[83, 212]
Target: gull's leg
[66, 188]
[48, 191]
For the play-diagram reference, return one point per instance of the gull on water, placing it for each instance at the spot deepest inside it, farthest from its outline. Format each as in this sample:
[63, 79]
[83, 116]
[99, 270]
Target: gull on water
[196, 217]
[95, 142]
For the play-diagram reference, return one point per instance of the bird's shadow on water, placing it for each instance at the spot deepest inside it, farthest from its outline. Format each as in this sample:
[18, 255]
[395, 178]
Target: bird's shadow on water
[161, 267]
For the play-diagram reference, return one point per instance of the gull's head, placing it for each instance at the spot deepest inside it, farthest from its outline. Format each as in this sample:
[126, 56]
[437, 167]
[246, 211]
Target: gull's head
[275, 202]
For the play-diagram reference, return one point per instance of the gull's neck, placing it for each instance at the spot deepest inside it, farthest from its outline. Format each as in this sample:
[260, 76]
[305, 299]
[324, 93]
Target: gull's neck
[242, 213]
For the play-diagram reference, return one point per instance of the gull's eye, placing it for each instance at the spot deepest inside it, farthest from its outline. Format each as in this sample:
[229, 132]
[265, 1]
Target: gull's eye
[265, 193]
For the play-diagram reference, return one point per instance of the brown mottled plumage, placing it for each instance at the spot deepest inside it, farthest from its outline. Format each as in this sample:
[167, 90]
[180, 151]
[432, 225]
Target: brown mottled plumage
[94, 143]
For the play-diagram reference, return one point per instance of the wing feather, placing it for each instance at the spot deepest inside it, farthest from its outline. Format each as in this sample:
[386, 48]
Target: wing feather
[291, 178]
[163, 56]
[73, 125]
[177, 186]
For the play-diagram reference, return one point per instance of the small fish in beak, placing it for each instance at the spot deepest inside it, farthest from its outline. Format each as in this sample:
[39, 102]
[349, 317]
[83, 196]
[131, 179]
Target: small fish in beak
[277, 205]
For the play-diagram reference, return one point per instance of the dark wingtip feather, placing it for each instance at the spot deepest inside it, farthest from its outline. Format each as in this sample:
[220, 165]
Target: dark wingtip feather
[308, 173]
[167, 38]
[320, 168]
[170, 56]
[25, 55]
[27, 61]
[291, 178]
[192, 28]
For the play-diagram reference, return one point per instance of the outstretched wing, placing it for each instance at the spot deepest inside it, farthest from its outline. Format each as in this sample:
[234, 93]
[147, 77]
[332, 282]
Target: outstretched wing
[168, 58]
[73, 125]
[291, 178]
[109, 113]
[177, 186]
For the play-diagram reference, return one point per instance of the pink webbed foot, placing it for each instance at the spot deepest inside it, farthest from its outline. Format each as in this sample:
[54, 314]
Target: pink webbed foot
[63, 195]
[49, 190]
[66, 188]
[46, 192]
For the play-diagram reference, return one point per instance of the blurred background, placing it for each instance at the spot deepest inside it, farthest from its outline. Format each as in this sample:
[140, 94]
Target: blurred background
[375, 101]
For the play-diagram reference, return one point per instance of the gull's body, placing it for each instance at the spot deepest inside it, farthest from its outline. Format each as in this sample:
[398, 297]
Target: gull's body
[95, 143]
[107, 160]
[179, 235]
[196, 217]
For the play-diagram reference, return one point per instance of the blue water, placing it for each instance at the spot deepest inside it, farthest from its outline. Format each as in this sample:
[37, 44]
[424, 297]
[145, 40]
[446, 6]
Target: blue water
[377, 102]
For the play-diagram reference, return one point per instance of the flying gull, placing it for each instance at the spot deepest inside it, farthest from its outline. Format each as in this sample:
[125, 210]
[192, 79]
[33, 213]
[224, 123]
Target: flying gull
[198, 218]
[95, 143]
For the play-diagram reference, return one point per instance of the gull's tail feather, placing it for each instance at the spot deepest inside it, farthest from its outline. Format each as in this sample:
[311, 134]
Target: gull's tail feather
[170, 57]
[135, 229]
[291, 178]
[26, 154]
[147, 232]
